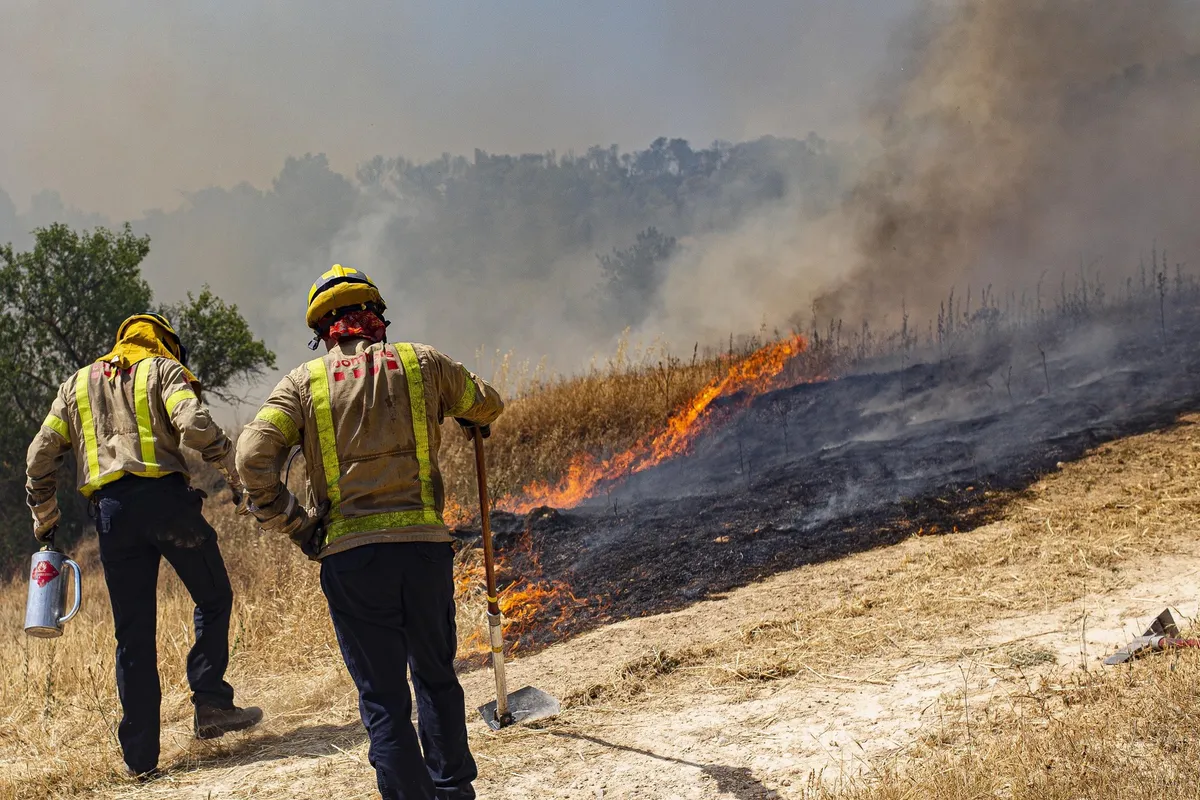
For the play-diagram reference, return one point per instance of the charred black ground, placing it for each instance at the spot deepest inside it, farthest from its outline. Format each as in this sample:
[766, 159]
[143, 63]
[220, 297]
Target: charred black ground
[910, 443]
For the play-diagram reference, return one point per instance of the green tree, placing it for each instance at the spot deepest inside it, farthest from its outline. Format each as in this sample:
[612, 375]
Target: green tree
[222, 350]
[60, 306]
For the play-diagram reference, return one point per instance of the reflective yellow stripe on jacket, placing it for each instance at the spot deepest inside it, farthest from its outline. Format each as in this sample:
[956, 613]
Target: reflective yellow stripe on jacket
[339, 526]
[57, 425]
[416, 398]
[282, 422]
[468, 397]
[178, 397]
[318, 383]
[88, 428]
[141, 401]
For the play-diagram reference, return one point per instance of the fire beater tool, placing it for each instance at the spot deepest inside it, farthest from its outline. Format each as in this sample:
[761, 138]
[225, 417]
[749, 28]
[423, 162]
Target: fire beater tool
[1163, 634]
[528, 703]
[48, 592]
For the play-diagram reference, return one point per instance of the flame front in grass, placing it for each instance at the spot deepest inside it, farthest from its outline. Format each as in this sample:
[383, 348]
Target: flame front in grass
[754, 375]
[532, 610]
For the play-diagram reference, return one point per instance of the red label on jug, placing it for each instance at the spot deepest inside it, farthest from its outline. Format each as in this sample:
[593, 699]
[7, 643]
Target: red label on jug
[43, 573]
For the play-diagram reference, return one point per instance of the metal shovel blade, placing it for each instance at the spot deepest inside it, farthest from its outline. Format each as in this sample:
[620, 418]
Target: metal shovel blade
[524, 705]
[1163, 626]
[1131, 650]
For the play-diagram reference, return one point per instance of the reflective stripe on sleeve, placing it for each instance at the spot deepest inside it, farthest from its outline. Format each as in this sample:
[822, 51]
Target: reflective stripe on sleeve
[282, 422]
[57, 425]
[468, 397]
[141, 403]
[416, 399]
[178, 397]
[318, 382]
[88, 428]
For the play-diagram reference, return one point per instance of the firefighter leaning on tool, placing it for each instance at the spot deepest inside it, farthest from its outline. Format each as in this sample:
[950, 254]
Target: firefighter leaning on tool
[366, 415]
[125, 417]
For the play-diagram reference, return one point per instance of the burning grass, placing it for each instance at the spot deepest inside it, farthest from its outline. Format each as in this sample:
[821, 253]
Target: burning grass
[622, 415]
[754, 375]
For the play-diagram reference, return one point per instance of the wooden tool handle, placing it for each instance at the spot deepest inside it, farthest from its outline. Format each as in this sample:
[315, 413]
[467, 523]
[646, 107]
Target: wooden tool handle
[489, 566]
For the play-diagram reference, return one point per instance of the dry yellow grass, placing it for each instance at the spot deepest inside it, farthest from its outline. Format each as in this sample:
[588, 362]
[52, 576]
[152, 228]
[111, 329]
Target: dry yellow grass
[1074, 533]
[604, 411]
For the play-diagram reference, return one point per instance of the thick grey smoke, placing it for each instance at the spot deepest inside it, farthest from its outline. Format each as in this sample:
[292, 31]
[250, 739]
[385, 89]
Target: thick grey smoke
[1026, 136]
[1008, 140]
[192, 108]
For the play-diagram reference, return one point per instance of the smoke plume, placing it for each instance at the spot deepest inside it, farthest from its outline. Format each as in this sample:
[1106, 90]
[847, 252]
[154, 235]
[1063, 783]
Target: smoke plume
[1027, 135]
[1008, 143]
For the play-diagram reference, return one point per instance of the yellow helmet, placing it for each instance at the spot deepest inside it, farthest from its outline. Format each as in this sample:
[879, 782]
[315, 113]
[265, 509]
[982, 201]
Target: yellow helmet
[341, 287]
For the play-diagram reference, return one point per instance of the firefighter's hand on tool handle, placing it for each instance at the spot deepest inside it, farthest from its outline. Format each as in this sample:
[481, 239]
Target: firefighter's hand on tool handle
[469, 428]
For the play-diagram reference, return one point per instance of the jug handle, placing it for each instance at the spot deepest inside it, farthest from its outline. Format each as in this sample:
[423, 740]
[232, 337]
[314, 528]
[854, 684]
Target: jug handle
[78, 591]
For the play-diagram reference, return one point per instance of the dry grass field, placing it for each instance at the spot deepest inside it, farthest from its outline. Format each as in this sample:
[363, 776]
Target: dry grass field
[957, 665]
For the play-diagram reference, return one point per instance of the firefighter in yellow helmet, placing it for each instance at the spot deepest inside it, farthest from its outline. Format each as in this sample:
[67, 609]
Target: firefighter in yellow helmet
[366, 415]
[125, 417]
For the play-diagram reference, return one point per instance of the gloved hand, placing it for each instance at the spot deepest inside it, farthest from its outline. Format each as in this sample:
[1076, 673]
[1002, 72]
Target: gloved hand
[241, 500]
[302, 526]
[229, 472]
[469, 428]
[308, 534]
[45, 520]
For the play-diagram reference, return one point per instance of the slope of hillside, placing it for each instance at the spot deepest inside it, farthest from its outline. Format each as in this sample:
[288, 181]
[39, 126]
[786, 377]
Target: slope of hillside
[939, 647]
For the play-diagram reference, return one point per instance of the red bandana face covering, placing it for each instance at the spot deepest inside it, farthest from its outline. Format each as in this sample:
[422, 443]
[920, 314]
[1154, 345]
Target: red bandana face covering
[359, 325]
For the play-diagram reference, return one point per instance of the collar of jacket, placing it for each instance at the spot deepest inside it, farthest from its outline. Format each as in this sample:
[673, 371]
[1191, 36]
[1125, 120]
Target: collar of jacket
[349, 347]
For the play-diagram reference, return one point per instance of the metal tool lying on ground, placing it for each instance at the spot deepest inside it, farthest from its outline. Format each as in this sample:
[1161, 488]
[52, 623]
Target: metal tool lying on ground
[528, 703]
[48, 592]
[1163, 634]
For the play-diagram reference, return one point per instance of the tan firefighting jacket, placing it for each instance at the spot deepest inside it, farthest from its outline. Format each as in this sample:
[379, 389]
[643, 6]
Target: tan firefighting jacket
[367, 417]
[121, 422]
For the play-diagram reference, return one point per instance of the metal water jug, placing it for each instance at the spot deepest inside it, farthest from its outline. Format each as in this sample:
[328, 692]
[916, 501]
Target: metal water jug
[48, 593]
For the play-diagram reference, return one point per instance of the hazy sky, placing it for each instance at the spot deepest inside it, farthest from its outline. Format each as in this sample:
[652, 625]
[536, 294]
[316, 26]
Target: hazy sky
[122, 105]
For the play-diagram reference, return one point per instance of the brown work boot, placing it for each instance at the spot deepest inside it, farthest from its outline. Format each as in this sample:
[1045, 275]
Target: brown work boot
[212, 723]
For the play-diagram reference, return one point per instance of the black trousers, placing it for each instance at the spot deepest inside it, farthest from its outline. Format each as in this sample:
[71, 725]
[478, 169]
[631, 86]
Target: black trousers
[393, 605]
[140, 521]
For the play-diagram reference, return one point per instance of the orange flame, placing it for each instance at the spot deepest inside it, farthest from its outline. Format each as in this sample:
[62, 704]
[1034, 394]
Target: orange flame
[528, 607]
[755, 375]
[454, 513]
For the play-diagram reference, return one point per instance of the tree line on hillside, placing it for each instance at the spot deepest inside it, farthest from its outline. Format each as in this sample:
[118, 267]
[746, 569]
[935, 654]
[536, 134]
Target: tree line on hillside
[591, 231]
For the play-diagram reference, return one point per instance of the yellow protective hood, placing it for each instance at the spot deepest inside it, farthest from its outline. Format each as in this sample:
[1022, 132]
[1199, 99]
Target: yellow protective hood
[139, 339]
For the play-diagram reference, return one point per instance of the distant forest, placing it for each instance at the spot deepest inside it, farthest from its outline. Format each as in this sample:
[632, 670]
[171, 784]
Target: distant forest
[475, 240]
